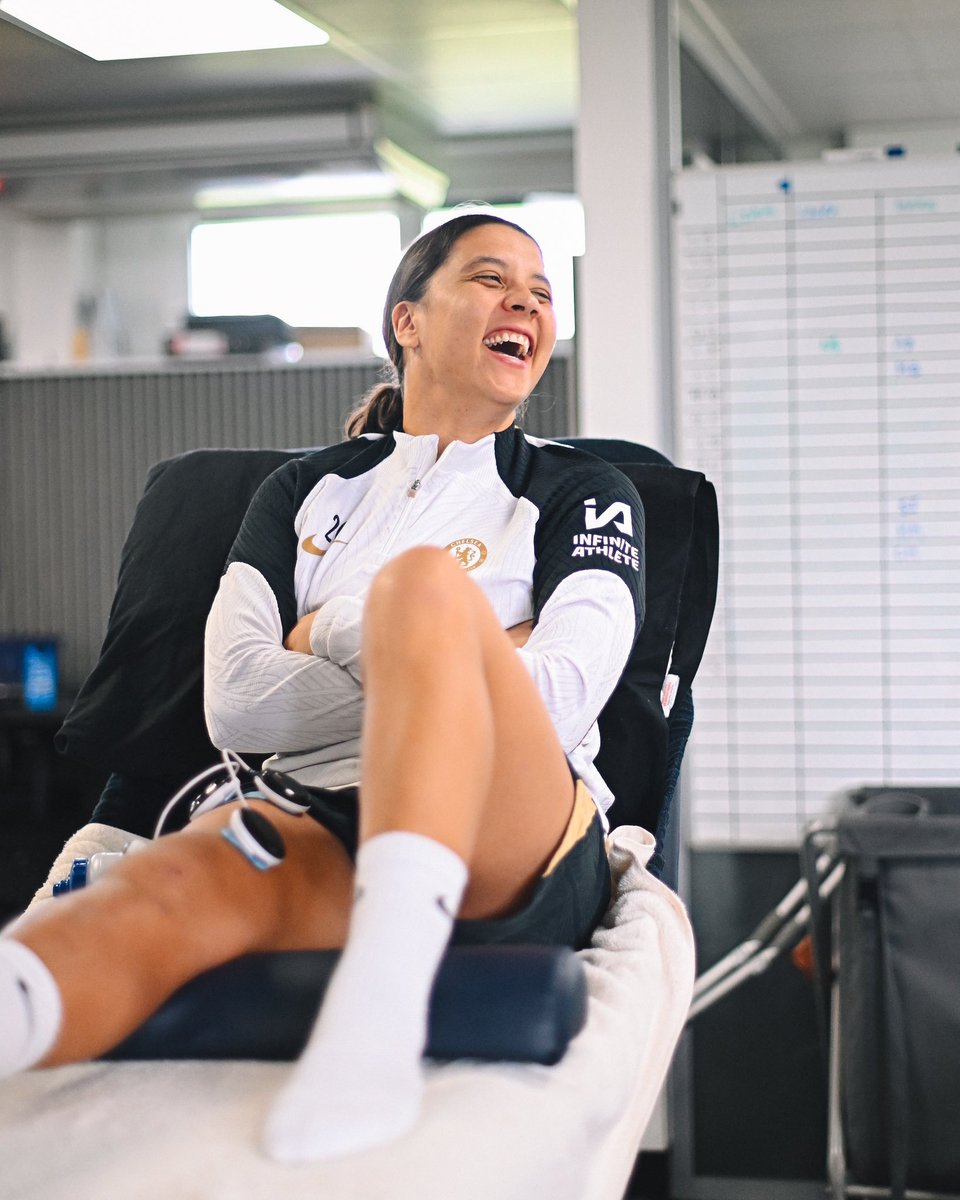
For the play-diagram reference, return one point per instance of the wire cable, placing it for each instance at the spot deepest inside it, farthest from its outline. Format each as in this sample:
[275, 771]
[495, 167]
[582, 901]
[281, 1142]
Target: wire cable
[776, 934]
[230, 760]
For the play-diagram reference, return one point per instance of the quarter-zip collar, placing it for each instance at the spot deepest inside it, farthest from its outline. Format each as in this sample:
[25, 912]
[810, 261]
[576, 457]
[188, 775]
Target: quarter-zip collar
[462, 453]
[454, 450]
[415, 458]
[419, 453]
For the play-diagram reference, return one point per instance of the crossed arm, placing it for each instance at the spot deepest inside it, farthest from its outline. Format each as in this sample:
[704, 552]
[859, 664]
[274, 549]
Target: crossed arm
[298, 638]
[262, 697]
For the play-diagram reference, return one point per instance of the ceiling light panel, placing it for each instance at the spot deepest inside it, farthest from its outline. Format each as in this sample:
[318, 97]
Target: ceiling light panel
[115, 29]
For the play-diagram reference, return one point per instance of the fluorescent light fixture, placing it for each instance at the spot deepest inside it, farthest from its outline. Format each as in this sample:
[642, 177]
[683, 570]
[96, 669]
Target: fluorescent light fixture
[309, 188]
[413, 178]
[396, 173]
[112, 29]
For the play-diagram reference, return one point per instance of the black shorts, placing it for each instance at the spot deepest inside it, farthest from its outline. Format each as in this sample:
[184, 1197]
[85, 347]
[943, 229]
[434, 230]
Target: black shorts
[565, 906]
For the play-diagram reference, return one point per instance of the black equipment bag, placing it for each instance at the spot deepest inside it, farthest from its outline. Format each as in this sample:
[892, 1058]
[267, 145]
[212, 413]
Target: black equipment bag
[897, 944]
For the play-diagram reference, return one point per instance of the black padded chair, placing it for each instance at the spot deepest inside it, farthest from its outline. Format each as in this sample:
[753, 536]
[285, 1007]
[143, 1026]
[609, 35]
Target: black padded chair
[139, 716]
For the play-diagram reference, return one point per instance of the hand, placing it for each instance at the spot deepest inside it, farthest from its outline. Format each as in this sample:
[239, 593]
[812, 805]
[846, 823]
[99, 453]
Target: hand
[298, 639]
[518, 634]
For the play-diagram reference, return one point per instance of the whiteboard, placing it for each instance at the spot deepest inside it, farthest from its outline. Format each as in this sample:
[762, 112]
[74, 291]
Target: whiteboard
[818, 323]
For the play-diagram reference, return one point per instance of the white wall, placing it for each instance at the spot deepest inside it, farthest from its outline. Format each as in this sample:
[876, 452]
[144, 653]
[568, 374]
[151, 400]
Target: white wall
[98, 288]
[624, 142]
[44, 263]
[141, 279]
[39, 264]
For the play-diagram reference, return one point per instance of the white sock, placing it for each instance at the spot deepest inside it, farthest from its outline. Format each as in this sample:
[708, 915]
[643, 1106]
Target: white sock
[30, 1008]
[359, 1082]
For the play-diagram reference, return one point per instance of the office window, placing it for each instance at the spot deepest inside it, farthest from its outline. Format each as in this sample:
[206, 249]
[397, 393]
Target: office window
[308, 270]
[557, 224]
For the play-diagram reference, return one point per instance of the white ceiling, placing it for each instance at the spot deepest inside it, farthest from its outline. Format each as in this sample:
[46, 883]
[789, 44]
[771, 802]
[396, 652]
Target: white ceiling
[801, 69]
[837, 63]
[463, 66]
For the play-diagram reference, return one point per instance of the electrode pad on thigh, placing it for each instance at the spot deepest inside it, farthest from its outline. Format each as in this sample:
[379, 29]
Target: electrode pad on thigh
[229, 781]
[255, 837]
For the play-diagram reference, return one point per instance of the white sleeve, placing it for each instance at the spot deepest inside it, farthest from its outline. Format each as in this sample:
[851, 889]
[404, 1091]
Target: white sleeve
[578, 649]
[335, 632]
[259, 696]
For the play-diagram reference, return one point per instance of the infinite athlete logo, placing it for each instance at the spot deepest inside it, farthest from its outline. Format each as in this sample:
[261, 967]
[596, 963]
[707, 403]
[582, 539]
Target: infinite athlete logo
[618, 513]
[618, 550]
[469, 552]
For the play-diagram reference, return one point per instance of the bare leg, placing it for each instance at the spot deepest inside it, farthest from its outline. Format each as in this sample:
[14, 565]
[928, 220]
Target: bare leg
[461, 765]
[460, 754]
[173, 909]
[460, 745]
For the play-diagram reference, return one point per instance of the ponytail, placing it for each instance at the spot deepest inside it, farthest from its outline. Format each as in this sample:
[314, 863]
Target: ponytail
[380, 411]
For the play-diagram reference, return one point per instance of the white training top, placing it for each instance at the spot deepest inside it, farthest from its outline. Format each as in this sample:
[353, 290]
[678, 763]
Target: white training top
[546, 531]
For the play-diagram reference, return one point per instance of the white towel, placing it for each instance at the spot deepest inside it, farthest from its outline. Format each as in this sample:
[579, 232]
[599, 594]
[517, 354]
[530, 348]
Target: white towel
[190, 1130]
[89, 840]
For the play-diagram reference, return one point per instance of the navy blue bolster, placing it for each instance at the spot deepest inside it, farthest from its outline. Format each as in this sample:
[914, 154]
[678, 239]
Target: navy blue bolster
[506, 1003]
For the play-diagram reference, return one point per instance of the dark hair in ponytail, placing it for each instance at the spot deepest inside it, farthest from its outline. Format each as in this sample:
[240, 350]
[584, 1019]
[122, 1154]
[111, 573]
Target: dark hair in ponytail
[381, 409]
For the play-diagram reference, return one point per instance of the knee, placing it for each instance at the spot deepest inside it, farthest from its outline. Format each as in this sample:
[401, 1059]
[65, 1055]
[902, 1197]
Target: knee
[419, 590]
[195, 891]
[423, 568]
[193, 888]
[163, 882]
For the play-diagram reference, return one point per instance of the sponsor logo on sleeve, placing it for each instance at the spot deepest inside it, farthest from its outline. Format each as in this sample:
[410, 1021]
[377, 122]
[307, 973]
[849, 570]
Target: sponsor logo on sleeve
[617, 514]
[616, 547]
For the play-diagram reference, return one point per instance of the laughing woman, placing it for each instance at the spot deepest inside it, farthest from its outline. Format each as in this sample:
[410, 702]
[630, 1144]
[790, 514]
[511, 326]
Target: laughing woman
[422, 625]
